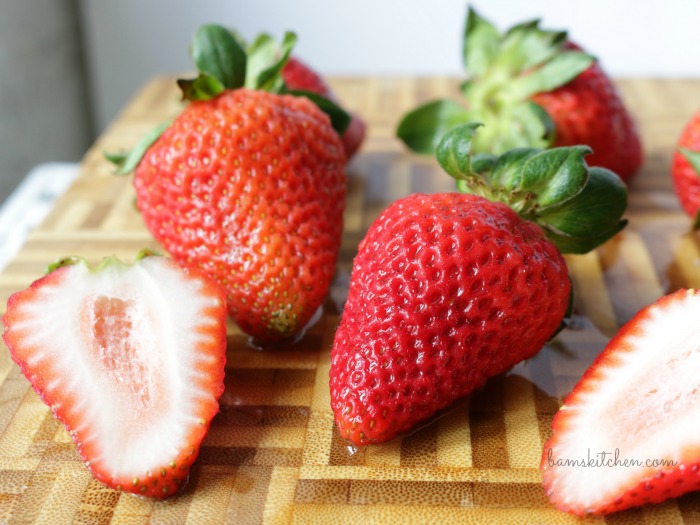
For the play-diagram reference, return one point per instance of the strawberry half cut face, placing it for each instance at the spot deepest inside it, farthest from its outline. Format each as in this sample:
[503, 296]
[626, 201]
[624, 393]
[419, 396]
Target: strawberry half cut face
[629, 432]
[131, 359]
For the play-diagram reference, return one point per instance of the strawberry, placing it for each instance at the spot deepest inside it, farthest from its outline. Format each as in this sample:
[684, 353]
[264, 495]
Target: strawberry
[588, 110]
[130, 358]
[627, 434]
[298, 75]
[249, 186]
[450, 289]
[532, 88]
[685, 168]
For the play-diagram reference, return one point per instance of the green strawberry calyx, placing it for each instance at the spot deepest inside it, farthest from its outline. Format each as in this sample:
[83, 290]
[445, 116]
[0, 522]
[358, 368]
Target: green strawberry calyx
[578, 207]
[505, 70]
[224, 62]
[693, 158]
[107, 262]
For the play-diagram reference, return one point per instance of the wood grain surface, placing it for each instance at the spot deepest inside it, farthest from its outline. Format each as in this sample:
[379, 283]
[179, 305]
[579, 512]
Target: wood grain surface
[273, 455]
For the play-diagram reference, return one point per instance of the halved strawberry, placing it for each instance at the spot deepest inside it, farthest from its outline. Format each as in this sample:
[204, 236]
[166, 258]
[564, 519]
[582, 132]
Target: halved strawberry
[629, 432]
[130, 358]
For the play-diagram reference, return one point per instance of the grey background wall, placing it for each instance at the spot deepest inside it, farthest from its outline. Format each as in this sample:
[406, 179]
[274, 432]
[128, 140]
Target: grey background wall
[44, 104]
[70, 65]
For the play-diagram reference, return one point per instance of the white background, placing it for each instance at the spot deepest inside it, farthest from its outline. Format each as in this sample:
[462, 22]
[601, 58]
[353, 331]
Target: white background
[129, 41]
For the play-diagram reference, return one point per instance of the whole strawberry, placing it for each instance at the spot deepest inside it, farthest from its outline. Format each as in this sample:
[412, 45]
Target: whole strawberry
[299, 76]
[248, 186]
[532, 88]
[130, 358]
[588, 110]
[685, 168]
[448, 290]
[627, 434]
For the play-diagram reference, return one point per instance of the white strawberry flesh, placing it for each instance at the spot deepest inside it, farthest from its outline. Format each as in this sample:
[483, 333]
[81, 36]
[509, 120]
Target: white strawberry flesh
[635, 415]
[130, 358]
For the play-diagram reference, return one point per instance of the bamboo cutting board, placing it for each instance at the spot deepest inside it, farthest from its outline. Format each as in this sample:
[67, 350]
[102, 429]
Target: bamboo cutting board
[273, 455]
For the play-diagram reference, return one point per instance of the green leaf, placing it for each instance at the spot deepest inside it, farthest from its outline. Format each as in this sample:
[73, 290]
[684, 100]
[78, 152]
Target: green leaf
[580, 245]
[480, 45]
[127, 162]
[262, 54]
[591, 217]
[217, 53]
[204, 87]
[116, 158]
[422, 128]
[454, 151]
[340, 119]
[553, 176]
[596, 209]
[528, 125]
[550, 130]
[526, 46]
[483, 162]
[693, 158]
[524, 124]
[507, 170]
[270, 78]
[561, 69]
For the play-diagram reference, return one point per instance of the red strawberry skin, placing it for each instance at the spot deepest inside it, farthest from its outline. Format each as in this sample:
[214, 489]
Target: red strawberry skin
[298, 75]
[446, 291]
[607, 380]
[250, 188]
[686, 179]
[589, 110]
[90, 379]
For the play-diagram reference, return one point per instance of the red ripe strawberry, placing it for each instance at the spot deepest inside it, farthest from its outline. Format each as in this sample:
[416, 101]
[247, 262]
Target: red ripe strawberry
[298, 75]
[588, 110]
[248, 186]
[628, 433]
[685, 168]
[130, 358]
[448, 290]
[531, 88]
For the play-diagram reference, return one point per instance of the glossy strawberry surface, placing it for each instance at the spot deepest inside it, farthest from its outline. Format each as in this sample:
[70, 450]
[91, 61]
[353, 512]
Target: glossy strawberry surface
[446, 291]
[249, 187]
[686, 176]
[589, 110]
[298, 75]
